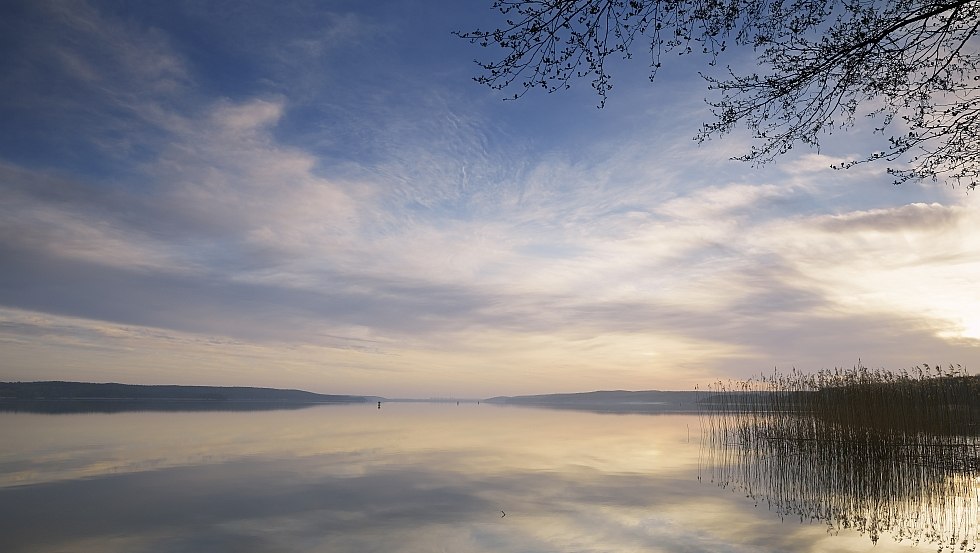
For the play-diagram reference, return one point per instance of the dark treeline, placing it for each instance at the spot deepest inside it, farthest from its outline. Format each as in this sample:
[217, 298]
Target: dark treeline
[85, 391]
[106, 406]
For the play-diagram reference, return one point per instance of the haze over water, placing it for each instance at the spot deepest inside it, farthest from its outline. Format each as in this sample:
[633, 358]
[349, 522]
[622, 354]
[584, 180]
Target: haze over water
[407, 477]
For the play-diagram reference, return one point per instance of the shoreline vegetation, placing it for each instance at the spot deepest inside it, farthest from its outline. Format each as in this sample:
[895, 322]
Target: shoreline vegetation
[876, 451]
[926, 399]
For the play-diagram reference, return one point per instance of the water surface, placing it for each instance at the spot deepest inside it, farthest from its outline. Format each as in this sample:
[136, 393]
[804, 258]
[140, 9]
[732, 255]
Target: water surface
[353, 478]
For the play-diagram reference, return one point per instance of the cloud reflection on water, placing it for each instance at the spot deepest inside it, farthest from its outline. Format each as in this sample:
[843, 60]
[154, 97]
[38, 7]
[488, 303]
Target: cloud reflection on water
[405, 478]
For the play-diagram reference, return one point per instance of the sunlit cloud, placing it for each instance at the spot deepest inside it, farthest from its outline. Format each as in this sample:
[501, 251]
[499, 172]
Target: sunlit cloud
[914, 260]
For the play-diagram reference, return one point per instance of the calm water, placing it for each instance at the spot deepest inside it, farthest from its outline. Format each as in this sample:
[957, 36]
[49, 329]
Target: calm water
[407, 477]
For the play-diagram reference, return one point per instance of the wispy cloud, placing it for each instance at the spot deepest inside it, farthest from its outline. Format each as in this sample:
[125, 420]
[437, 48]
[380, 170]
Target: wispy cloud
[401, 224]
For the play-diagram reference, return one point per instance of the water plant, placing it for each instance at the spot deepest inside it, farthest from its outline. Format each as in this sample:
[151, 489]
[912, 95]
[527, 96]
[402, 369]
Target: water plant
[872, 450]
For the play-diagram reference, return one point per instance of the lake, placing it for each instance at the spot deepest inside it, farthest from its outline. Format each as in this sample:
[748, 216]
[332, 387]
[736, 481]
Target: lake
[412, 477]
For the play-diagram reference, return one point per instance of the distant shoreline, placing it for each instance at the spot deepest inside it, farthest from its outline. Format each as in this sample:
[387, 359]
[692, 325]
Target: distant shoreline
[609, 401]
[62, 406]
[79, 397]
[57, 390]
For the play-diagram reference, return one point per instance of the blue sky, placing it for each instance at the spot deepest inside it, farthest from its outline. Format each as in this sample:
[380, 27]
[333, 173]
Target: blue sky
[316, 195]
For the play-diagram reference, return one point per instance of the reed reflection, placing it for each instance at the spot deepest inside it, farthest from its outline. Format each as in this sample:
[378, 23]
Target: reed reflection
[874, 451]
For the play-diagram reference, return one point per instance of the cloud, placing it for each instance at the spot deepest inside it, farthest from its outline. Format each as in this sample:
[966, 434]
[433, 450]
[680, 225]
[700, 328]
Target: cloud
[411, 214]
[916, 217]
[99, 50]
[87, 90]
[912, 260]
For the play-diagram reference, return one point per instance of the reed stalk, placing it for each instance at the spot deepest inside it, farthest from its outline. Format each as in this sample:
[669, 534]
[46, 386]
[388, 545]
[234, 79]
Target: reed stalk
[871, 450]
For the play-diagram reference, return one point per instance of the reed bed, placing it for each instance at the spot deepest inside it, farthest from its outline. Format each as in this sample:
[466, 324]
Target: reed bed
[872, 450]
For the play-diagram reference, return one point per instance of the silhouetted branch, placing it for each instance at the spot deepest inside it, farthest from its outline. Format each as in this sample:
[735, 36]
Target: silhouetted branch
[911, 64]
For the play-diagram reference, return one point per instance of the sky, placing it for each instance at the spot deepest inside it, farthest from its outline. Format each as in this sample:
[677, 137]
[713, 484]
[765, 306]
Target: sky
[317, 195]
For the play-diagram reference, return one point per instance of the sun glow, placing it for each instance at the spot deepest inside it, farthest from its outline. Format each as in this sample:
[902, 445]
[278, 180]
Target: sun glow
[968, 327]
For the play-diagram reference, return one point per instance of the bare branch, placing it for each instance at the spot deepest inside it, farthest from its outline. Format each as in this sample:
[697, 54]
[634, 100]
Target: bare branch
[912, 64]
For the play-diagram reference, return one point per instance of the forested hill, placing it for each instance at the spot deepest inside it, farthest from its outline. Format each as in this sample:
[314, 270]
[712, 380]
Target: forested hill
[610, 401]
[75, 391]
